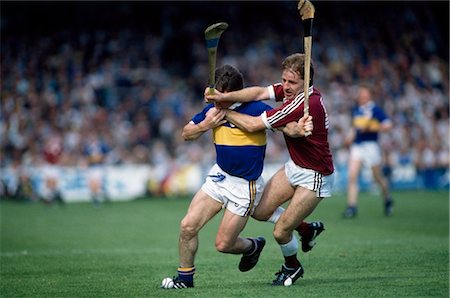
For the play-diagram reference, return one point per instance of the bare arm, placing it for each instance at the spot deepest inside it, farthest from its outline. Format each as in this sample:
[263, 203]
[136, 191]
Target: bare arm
[350, 137]
[243, 95]
[385, 126]
[214, 118]
[252, 124]
[245, 122]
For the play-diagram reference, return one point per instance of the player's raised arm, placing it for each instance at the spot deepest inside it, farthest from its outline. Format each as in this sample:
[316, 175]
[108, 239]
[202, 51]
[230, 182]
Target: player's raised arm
[214, 117]
[244, 95]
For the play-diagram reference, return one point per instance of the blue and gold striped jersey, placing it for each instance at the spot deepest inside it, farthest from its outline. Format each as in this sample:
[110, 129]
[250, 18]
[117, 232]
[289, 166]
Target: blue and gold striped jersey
[239, 153]
[367, 116]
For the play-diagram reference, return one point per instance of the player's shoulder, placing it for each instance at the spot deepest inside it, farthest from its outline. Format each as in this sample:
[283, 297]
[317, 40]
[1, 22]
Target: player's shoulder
[378, 110]
[258, 103]
[377, 107]
[256, 106]
[200, 116]
[208, 107]
[315, 97]
[316, 92]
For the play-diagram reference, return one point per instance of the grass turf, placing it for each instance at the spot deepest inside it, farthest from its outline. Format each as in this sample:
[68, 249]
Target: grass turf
[125, 249]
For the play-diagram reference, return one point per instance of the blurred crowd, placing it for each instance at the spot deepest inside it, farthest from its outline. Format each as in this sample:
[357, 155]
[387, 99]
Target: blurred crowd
[122, 96]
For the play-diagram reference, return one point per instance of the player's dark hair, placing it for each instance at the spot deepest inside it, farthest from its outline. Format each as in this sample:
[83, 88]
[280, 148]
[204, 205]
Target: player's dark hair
[228, 79]
[296, 62]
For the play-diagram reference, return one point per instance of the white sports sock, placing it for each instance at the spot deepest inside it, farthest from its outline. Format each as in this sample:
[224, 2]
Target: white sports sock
[276, 215]
[290, 248]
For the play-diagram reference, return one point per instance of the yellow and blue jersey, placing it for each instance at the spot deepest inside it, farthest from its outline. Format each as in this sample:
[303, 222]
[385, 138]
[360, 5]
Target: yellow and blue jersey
[239, 153]
[367, 116]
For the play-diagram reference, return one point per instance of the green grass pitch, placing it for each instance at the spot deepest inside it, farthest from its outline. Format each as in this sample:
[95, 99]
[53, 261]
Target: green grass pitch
[126, 249]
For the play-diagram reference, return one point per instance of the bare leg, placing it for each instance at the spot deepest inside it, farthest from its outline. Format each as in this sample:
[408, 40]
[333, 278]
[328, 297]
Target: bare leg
[383, 183]
[277, 191]
[381, 180]
[302, 204]
[354, 167]
[227, 239]
[201, 210]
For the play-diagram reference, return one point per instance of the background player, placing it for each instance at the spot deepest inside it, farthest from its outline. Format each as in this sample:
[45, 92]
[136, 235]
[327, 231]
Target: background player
[95, 150]
[52, 153]
[368, 120]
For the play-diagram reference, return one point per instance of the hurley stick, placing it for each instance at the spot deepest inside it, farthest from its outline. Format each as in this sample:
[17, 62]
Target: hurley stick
[306, 10]
[212, 36]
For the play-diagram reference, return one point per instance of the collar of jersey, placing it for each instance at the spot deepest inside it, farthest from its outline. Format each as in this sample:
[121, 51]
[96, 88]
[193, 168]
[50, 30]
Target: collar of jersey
[301, 95]
[368, 105]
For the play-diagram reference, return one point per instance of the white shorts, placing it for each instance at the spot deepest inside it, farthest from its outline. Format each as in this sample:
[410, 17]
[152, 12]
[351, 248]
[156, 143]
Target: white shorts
[51, 172]
[309, 179]
[95, 173]
[368, 152]
[236, 194]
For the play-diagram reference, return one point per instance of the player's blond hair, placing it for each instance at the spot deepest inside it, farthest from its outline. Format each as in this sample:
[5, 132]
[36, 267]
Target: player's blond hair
[296, 63]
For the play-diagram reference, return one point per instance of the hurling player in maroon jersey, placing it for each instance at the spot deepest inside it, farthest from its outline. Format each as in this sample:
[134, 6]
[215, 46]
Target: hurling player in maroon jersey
[52, 155]
[307, 177]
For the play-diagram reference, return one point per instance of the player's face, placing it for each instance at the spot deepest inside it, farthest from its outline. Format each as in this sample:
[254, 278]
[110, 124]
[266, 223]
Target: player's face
[223, 104]
[292, 84]
[363, 96]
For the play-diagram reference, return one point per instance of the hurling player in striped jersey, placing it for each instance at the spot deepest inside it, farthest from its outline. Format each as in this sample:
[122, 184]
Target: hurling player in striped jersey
[307, 177]
[368, 120]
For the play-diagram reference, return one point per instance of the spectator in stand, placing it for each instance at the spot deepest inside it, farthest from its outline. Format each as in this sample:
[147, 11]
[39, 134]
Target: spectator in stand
[49, 80]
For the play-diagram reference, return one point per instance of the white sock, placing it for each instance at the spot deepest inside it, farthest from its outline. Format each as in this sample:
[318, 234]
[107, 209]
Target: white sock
[290, 248]
[276, 215]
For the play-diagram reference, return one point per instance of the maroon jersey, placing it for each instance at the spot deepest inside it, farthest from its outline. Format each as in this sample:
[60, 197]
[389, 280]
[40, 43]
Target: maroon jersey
[53, 149]
[312, 152]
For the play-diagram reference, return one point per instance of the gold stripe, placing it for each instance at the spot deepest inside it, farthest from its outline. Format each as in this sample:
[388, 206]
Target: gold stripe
[252, 188]
[186, 268]
[253, 196]
[363, 122]
[250, 197]
[236, 137]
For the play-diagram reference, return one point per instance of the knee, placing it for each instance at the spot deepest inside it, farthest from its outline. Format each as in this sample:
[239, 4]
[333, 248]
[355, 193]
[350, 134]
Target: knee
[352, 179]
[187, 229]
[223, 245]
[281, 234]
[261, 215]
